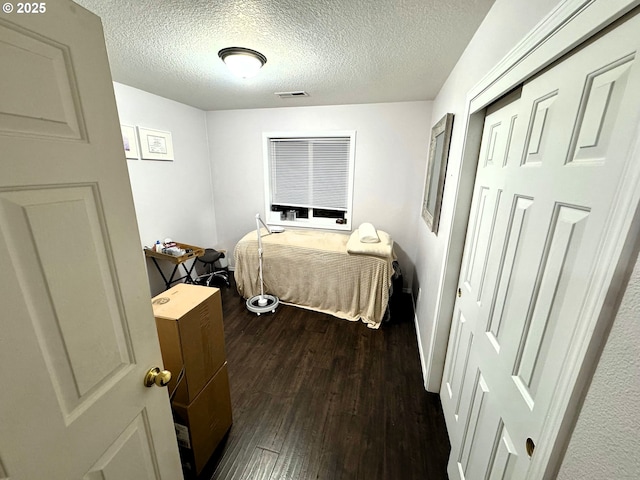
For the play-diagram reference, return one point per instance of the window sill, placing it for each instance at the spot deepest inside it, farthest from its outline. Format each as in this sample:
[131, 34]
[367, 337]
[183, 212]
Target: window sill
[319, 223]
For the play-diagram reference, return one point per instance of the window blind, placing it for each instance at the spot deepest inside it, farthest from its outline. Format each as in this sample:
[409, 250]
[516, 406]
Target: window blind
[310, 172]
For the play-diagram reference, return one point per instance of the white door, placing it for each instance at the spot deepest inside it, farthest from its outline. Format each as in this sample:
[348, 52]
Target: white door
[76, 331]
[545, 231]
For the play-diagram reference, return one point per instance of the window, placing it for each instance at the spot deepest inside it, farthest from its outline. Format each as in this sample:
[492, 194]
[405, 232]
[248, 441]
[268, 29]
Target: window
[309, 179]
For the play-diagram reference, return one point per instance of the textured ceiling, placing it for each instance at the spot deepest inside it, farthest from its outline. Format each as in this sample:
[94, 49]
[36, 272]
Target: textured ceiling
[339, 51]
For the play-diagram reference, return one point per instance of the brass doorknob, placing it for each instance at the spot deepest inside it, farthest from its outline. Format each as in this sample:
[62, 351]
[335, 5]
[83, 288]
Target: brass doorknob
[158, 377]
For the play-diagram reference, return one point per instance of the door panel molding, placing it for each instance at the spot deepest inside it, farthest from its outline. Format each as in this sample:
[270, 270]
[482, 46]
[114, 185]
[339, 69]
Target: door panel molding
[52, 109]
[129, 455]
[80, 366]
[557, 260]
[599, 103]
[478, 404]
[508, 258]
[542, 109]
[502, 455]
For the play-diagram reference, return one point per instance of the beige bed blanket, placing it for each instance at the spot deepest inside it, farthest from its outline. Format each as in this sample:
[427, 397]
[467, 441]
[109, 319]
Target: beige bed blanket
[313, 270]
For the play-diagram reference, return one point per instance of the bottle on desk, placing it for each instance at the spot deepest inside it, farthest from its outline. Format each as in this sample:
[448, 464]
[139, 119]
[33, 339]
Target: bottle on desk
[158, 247]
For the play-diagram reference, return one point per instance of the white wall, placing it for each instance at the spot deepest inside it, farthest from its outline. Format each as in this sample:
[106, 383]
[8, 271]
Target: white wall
[504, 26]
[605, 442]
[172, 199]
[391, 149]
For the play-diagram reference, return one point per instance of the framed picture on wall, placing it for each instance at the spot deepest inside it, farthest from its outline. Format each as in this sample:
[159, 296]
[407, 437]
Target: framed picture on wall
[436, 170]
[155, 144]
[130, 142]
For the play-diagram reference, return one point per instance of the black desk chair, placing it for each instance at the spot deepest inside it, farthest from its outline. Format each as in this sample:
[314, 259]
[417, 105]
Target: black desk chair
[212, 277]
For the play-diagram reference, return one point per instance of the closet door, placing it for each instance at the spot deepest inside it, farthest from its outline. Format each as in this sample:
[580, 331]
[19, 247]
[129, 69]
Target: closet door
[550, 216]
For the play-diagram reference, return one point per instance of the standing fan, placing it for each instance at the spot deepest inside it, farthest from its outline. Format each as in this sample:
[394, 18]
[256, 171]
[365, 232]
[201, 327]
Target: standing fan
[261, 303]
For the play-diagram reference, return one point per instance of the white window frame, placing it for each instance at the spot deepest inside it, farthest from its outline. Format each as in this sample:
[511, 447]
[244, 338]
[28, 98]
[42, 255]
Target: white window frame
[273, 218]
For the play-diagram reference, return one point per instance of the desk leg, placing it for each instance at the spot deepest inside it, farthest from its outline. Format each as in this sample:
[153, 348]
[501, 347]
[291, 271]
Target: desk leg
[173, 274]
[188, 278]
[167, 283]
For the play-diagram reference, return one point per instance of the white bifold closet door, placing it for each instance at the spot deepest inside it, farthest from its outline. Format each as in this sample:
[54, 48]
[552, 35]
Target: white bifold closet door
[550, 214]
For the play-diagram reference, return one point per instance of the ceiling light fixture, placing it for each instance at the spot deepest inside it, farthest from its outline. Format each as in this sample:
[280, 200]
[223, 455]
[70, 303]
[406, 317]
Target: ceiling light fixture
[243, 62]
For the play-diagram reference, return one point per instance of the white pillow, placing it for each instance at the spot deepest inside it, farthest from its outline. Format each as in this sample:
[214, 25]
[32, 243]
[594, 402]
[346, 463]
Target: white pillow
[367, 233]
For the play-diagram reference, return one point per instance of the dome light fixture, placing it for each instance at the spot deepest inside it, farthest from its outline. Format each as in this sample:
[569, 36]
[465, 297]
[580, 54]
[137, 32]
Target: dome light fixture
[243, 62]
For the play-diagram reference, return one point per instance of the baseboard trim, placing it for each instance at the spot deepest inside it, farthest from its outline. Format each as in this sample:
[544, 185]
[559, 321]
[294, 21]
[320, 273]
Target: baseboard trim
[423, 363]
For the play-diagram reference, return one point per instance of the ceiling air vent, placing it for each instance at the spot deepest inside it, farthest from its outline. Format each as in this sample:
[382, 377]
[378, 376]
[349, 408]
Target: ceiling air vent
[300, 93]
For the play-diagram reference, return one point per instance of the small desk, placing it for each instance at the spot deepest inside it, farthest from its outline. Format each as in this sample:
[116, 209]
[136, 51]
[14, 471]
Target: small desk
[177, 261]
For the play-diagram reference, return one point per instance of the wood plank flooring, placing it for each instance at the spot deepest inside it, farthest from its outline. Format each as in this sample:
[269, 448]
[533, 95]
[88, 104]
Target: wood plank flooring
[317, 397]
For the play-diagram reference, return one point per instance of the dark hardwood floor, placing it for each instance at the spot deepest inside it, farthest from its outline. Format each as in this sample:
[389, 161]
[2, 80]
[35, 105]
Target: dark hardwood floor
[317, 397]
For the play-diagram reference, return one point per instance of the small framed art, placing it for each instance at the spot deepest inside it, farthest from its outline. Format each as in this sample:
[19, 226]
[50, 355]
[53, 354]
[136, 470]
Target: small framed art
[130, 142]
[155, 144]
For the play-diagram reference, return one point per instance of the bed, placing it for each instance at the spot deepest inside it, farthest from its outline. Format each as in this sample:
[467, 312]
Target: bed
[328, 272]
